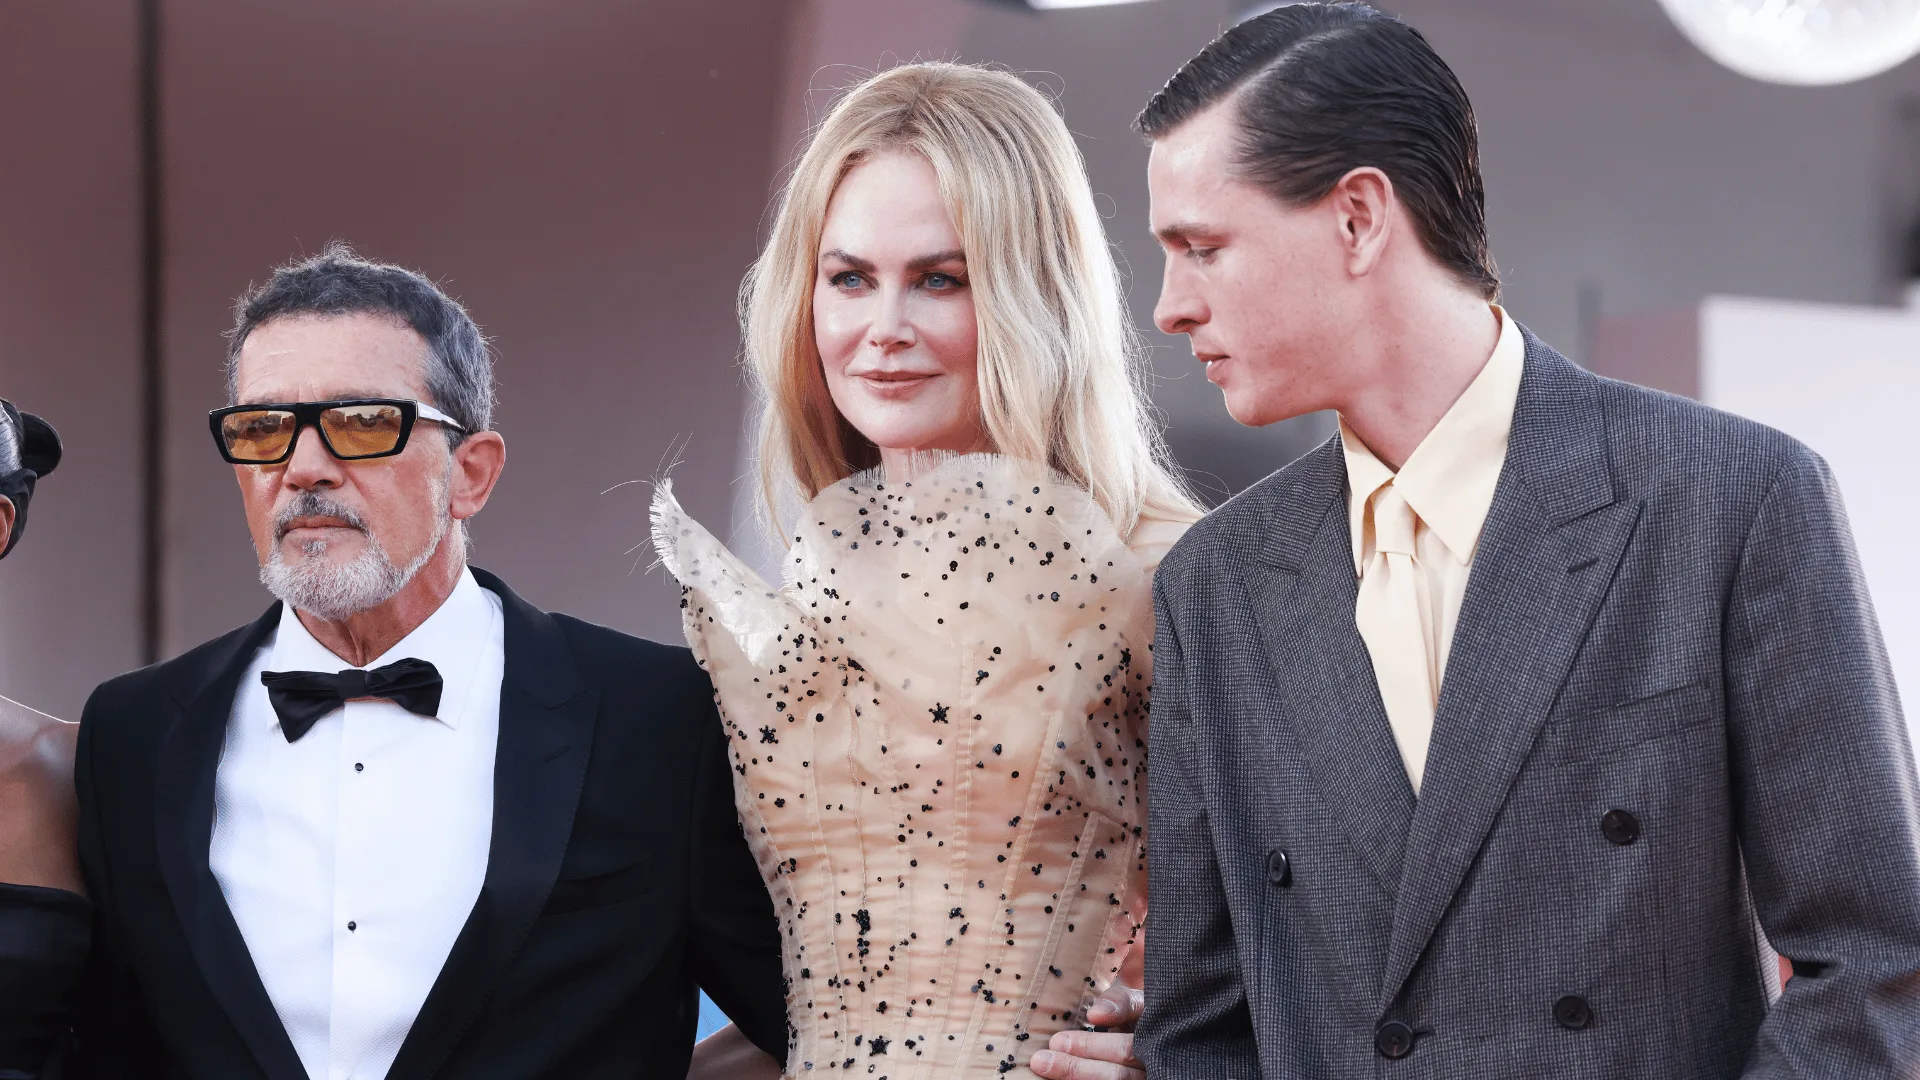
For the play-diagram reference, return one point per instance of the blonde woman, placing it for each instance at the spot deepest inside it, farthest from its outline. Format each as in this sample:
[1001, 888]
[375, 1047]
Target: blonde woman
[938, 721]
[939, 717]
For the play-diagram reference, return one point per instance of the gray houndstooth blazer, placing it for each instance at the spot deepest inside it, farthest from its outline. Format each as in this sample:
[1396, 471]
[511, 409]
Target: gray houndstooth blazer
[1667, 719]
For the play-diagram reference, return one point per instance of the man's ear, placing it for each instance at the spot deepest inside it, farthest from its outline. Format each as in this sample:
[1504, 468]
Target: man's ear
[1363, 203]
[477, 464]
[6, 522]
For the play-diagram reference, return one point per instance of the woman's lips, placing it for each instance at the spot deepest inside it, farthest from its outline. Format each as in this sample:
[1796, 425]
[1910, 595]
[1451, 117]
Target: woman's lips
[896, 383]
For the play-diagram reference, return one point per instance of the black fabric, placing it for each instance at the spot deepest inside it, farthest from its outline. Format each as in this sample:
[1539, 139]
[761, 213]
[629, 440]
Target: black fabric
[43, 950]
[301, 698]
[618, 880]
[39, 455]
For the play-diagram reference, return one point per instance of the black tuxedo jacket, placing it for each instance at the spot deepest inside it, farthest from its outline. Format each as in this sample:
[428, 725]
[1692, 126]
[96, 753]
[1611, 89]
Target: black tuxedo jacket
[618, 878]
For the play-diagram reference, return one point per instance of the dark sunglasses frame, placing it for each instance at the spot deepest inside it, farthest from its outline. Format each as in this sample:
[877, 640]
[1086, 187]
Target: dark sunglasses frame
[306, 414]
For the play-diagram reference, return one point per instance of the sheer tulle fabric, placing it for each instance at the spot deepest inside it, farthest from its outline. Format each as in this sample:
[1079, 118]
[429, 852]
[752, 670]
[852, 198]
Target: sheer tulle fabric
[938, 727]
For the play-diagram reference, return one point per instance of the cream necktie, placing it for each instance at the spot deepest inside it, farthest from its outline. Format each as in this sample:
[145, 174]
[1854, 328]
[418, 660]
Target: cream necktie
[1390, 623]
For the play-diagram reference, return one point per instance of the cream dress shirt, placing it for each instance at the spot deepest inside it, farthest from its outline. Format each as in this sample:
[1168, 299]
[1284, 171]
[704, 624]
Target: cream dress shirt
[1448, 482]
[352, 858]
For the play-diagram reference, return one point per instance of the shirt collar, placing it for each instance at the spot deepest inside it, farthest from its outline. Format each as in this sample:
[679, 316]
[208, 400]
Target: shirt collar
[1450, 477]
[450, 639]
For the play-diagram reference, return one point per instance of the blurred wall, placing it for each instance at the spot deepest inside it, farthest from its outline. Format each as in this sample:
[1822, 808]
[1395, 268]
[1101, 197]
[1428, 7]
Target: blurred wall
[1621, 160]
[70, 342]
[587, 176]
[591, 177]
[1626, 172]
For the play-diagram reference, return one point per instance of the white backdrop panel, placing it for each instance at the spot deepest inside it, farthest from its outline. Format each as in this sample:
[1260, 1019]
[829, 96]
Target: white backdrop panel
[1845, 381]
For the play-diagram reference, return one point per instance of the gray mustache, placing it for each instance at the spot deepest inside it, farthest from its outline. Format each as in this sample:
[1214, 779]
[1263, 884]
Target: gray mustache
[314, 504]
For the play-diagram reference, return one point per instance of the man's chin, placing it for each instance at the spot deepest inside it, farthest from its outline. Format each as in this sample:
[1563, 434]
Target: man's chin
[1255, 411]
[321, 548]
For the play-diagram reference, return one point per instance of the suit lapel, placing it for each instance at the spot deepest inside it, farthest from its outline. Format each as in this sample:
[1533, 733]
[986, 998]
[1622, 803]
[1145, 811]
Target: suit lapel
[1552, 543]
[547, 716]
[189, 758]
[1303, 592]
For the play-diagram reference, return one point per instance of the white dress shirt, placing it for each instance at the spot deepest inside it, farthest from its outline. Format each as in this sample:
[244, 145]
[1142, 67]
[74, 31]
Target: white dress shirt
[352, 858]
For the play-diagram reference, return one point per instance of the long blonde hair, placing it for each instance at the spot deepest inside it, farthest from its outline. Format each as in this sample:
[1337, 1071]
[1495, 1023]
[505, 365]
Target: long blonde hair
[1059, 368]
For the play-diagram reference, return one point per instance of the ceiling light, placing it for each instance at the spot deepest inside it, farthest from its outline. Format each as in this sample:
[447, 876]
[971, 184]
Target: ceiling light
[1803, 42]
[1055, 5]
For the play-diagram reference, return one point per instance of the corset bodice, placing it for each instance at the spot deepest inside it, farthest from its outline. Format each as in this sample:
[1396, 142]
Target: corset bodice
[937, 727]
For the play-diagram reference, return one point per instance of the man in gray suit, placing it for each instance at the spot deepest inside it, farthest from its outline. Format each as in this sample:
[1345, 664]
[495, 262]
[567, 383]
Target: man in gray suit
[1498, 736]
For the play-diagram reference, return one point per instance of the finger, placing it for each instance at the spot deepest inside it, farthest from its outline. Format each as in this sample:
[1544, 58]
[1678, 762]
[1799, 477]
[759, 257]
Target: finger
[1118, 1007]
[1057, 1066]
[1113, 1047]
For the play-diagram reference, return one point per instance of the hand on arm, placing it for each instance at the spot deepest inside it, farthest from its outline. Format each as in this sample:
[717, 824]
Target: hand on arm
[1097, 1055]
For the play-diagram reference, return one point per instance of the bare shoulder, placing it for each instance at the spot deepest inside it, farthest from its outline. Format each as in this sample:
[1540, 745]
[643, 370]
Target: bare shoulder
[38, 810]
[1154, 536]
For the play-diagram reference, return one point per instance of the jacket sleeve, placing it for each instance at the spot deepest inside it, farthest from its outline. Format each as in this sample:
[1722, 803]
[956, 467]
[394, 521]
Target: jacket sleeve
[1196, 1022]
[1825, 791]
[735, 946]
[114, 1036]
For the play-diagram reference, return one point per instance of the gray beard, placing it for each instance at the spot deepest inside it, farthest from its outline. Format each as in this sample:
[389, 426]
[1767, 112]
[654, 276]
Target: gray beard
[334, 593]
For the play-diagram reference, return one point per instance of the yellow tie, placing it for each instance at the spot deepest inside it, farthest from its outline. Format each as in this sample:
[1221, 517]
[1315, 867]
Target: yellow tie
[1389, 617]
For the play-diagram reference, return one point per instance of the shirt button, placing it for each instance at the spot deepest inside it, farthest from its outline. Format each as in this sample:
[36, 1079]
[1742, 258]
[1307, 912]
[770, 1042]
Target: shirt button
[1279, 868]
[1620, 827]
[1393, 1040]
[352, 926]
[359, 767]
[1573, 1013]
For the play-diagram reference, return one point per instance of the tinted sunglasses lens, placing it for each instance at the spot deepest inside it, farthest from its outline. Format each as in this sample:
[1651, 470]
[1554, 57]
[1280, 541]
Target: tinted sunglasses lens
[356, 431]
[260, 435]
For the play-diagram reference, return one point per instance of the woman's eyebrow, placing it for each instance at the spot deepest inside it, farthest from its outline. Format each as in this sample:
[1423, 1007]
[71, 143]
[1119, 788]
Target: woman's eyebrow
[854, 261]
[941, 258]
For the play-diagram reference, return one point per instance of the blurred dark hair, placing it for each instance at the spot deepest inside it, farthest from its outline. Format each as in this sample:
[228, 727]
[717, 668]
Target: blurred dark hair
[1322, 89]
[459, 369]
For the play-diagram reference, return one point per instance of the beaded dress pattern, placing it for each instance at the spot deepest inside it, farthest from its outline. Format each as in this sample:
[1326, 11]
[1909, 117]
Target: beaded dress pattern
[938, 732]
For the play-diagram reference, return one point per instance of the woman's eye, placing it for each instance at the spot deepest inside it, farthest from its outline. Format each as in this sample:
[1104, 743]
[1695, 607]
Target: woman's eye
[1204, 255]
[942, 282]
[845, 279]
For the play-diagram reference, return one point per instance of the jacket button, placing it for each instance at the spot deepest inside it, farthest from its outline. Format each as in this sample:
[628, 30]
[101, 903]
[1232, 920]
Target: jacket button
[1573, 1013]
[1393, 1040]
[1620, 827]
[1279, 868]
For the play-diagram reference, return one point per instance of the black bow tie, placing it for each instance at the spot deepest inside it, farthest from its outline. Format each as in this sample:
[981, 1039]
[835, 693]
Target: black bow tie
[301, 698]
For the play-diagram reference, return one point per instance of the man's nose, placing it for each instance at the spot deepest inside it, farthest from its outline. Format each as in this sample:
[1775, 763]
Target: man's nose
[1179, 308]
[311, 466]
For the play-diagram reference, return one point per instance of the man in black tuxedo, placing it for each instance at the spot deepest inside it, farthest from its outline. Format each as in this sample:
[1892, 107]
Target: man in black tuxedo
[405, 824]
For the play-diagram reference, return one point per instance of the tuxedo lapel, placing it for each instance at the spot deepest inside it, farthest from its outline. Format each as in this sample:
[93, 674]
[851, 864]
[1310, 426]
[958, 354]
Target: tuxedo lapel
[1303, 593]
[1553, 541]
[547, 716]
[189, 758]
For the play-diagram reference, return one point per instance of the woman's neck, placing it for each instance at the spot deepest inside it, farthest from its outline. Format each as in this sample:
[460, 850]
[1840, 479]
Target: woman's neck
[903, 463]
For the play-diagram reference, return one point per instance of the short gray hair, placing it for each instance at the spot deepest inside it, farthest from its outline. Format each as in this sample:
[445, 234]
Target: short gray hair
[459, 367]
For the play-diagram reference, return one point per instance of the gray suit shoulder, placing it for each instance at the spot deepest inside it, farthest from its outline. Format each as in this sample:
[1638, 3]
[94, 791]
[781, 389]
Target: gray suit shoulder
[1665, 445]
[1234, 533]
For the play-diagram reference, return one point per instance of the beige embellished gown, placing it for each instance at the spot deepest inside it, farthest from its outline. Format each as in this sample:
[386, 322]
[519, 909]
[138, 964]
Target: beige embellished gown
[938, 731]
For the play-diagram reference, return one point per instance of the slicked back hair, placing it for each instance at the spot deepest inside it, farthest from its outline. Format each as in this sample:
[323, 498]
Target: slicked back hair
[1321, 89]
[459, 368]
